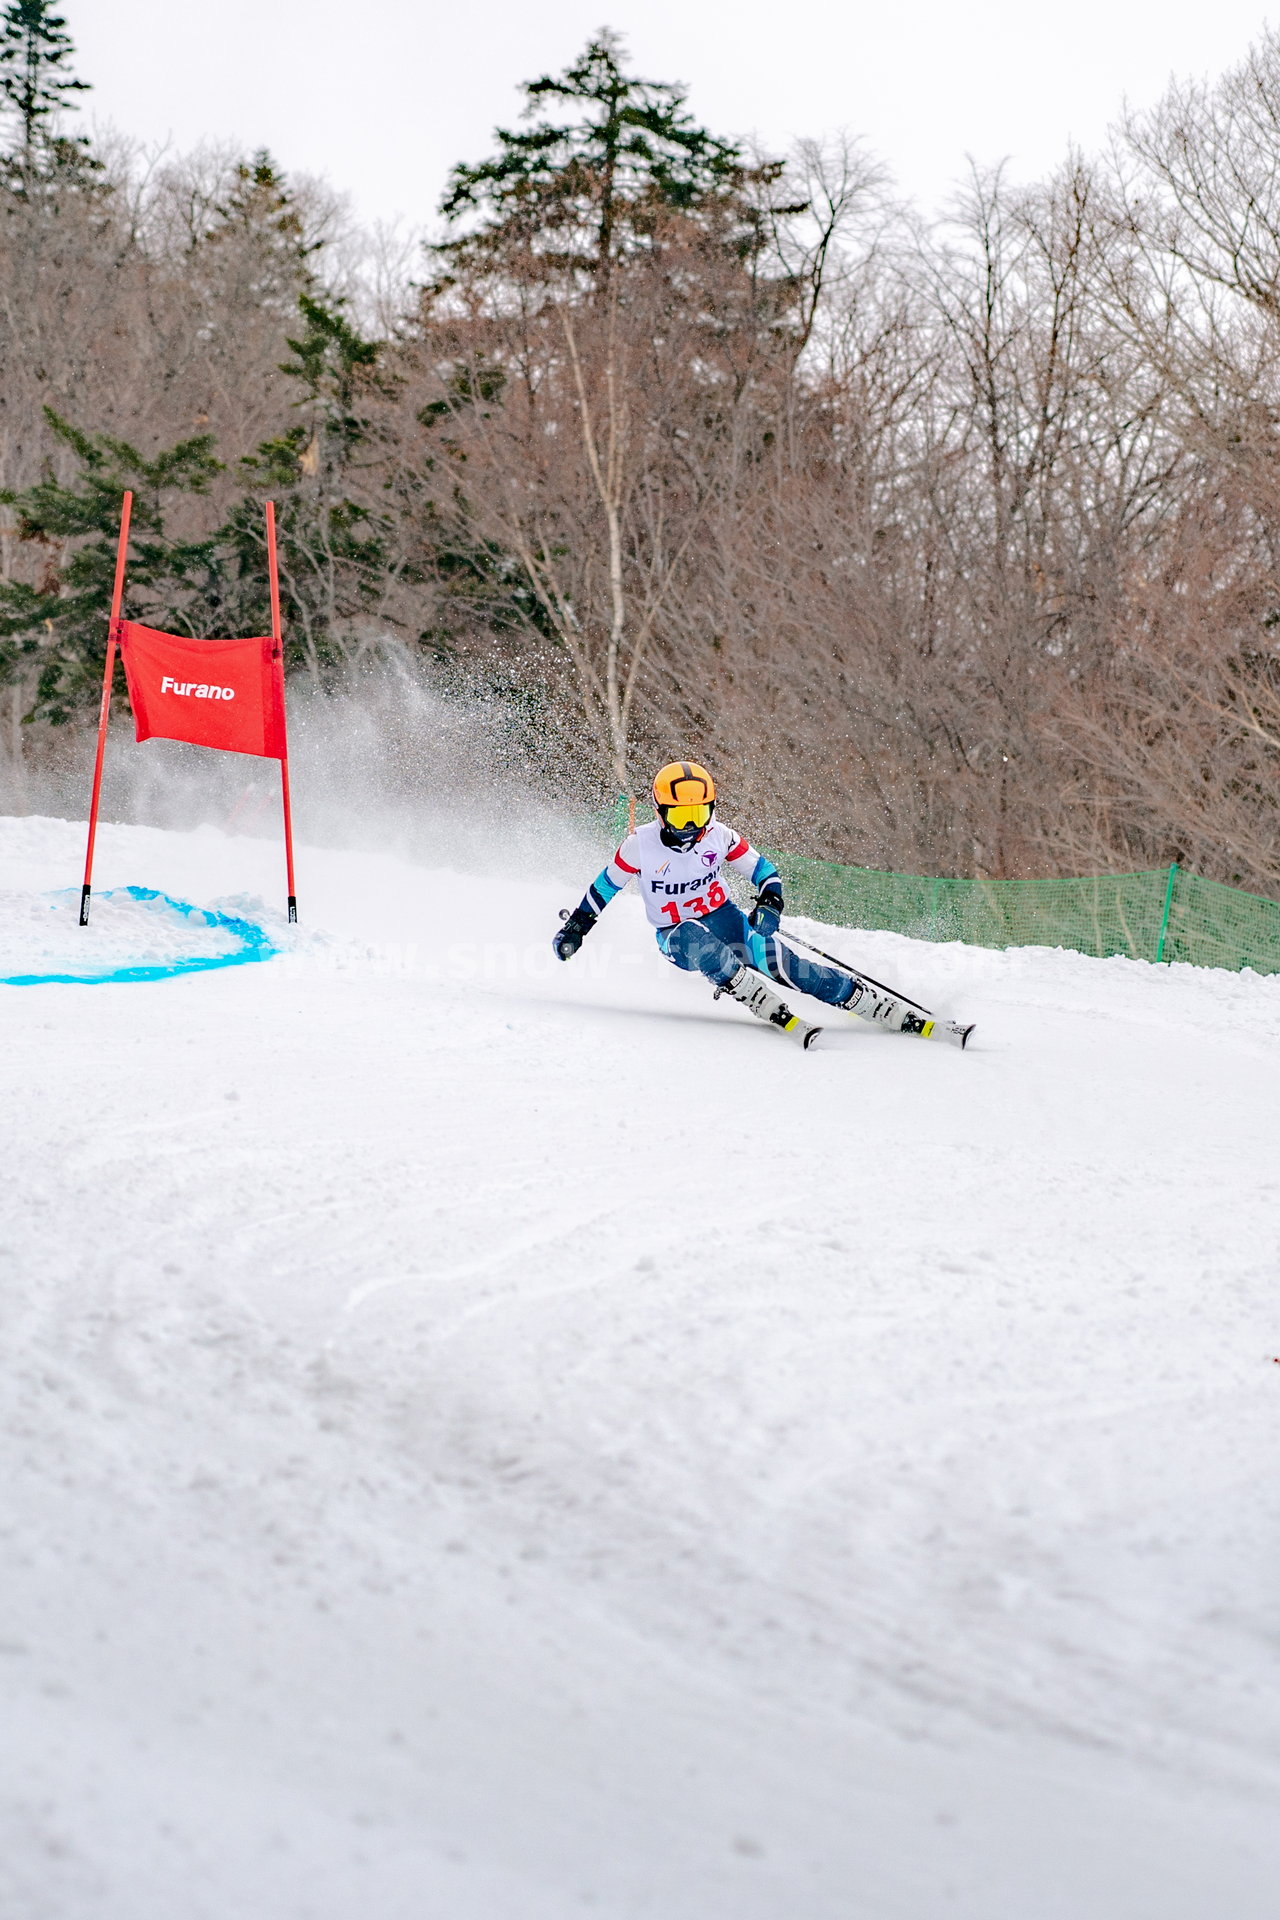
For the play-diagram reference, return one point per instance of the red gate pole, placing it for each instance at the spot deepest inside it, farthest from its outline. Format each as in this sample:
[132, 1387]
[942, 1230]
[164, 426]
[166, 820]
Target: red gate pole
[117, 595]
[274, 575]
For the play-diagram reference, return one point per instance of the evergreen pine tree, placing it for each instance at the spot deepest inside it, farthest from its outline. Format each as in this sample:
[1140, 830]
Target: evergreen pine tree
[36, 83]
[336, 553]
[574, 190]
[60, 625]
[258, 217]
[334, 550]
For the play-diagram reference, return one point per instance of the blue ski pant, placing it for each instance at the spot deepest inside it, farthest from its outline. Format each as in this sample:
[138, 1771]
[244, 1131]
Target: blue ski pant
[721, 942]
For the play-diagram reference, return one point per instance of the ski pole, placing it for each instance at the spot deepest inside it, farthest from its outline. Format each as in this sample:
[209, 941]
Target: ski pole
[847, 967]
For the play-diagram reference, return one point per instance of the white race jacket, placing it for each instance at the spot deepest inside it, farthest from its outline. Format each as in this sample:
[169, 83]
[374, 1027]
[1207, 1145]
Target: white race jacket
[678, 886]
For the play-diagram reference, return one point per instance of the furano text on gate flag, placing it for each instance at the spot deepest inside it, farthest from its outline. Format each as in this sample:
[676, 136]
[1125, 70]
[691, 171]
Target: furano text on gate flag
[213, 693]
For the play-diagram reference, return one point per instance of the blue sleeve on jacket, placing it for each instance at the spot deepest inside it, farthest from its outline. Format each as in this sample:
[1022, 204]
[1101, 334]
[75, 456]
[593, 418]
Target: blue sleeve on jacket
[610, 880]
[600, 892]
[760, 869]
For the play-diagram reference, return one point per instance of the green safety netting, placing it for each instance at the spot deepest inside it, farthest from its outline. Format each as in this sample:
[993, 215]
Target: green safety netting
[1167, 914]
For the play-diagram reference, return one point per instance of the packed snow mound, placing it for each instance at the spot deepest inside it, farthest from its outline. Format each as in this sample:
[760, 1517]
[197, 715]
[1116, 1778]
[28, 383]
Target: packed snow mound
[134, 934]
[506, 1440]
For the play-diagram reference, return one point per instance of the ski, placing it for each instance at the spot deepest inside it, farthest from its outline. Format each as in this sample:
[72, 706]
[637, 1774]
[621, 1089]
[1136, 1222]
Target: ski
[954, 1032]
[884, 1009]
[751, 992]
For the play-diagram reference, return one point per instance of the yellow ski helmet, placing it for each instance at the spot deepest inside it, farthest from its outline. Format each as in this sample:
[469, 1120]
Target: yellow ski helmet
[684, 796]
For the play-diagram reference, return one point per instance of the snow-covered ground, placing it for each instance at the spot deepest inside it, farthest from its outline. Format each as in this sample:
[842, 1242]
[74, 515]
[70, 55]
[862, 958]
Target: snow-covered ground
[487, 1440]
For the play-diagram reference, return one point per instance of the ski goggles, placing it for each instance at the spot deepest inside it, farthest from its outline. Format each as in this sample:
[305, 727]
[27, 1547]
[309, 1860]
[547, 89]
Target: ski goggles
[682, 817]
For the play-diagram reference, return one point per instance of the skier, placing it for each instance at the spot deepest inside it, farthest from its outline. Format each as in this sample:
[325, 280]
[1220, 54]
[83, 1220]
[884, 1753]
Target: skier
[676, 862]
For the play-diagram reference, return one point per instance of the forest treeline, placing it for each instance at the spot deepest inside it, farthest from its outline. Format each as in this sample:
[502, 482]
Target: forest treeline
[952, 546]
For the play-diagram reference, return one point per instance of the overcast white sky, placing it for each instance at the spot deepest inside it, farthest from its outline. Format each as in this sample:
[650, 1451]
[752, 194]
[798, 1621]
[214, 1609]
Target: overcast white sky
[384, 97]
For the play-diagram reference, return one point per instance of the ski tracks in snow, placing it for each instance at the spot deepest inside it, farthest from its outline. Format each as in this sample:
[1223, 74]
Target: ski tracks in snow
[528, 1440]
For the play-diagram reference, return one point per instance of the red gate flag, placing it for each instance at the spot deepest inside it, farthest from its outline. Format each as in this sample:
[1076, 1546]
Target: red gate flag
[227, 694]
[214, 693]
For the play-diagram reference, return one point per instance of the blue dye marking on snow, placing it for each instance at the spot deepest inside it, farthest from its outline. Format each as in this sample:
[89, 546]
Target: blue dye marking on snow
[255, 944]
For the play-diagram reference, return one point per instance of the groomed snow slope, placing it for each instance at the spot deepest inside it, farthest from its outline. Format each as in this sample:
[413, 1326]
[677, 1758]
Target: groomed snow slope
[492, 1441]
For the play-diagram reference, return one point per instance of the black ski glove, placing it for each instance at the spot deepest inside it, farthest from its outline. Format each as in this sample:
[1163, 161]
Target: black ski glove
[577, 925]
[768, 909]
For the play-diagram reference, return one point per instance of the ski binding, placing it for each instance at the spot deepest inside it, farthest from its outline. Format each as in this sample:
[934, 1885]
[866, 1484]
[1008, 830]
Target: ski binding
[751, 992]
[896, 1016]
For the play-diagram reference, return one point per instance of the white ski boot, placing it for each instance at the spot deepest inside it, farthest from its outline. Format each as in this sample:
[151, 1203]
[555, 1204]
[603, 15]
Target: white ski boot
[753, 993]
[895, 1016]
